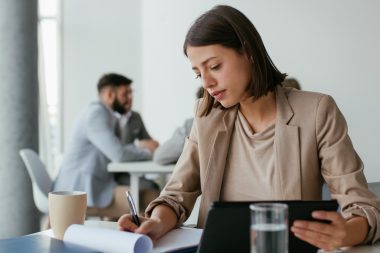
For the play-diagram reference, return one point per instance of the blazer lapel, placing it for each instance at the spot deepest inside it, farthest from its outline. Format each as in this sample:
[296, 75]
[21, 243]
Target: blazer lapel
[217, 162]
[287, 149]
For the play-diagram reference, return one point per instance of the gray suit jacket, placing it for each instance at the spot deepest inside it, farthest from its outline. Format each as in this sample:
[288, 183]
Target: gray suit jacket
[134, 129]
[93, 145]
[171, 150]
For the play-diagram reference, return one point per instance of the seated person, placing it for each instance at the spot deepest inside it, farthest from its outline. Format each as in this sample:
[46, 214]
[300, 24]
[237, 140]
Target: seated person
[94, 144]
[253, 139]
[291, 82]
[131, 130]
[170, 150]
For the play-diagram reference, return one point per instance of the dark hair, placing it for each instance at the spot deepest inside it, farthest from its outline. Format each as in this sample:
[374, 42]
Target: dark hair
[199, 93]
[114, 80]
[226, 26]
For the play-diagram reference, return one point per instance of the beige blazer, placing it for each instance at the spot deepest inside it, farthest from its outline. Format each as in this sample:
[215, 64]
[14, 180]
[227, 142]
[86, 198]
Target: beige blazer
[311, 146]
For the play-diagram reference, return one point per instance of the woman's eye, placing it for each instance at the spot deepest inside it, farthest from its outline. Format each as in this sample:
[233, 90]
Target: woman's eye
[198, 76]
[215, 67]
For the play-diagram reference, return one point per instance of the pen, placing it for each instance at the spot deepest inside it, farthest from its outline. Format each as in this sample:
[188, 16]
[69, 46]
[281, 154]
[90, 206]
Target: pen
[133, 208]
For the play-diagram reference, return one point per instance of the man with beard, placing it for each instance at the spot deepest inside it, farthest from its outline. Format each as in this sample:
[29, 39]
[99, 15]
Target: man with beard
[95, 143]
[131, 130]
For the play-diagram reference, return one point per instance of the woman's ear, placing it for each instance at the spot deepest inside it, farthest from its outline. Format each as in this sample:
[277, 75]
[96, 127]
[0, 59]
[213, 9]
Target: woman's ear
[251, 59]
[248, 56]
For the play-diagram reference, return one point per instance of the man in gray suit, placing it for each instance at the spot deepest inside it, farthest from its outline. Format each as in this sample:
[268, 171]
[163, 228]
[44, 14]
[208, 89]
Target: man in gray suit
[131, 130]
[95, 143]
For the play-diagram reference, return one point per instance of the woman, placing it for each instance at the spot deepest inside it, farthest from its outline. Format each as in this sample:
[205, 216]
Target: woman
[254, 140]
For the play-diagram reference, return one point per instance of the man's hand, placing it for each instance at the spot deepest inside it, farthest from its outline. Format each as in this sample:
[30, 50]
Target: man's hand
[151, 145]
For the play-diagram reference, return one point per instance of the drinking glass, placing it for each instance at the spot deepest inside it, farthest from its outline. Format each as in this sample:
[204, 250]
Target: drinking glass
[269, 228]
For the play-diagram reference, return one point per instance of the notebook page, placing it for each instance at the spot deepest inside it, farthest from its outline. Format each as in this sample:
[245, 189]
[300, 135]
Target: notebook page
[176, 239]
[108, 240]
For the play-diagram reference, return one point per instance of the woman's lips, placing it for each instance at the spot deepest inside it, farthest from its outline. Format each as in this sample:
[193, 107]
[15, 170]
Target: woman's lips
[218, 95]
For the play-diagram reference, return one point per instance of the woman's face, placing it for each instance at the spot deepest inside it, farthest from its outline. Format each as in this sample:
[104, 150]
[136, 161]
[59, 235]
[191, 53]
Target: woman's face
[224, 72]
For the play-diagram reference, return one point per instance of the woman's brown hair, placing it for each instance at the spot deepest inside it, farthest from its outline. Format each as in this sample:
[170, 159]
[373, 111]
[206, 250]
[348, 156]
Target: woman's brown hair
[226, 26]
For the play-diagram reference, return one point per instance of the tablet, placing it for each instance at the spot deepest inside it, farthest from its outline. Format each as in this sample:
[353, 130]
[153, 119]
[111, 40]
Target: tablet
[227, 226]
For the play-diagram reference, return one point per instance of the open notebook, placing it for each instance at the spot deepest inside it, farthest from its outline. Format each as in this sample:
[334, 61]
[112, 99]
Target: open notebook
[111, 240]
[89, 239]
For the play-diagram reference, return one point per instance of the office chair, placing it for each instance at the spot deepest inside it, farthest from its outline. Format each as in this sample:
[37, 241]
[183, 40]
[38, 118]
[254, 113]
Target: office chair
[42, 184]
[41, 181]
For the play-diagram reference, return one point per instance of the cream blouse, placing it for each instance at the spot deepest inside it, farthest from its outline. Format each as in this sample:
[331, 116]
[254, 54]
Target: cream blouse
[250, 168]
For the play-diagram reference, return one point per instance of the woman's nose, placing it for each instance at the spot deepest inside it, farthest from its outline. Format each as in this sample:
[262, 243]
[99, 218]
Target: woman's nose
[208, 81]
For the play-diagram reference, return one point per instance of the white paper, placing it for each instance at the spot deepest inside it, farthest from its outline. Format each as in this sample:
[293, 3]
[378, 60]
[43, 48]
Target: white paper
[178, 239]
[108, 240]
[111, 240]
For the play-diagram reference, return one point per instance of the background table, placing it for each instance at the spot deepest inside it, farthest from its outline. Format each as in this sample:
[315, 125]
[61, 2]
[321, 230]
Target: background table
[137, 170]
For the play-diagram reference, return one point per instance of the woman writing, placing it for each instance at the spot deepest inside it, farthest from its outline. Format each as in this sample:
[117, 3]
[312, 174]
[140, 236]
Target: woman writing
[254, 140]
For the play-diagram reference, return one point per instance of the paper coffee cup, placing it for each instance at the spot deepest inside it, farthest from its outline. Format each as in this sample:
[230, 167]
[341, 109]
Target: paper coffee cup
[66, 208]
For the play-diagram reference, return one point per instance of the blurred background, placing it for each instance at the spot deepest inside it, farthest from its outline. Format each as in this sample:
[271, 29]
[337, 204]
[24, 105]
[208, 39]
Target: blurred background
[329, 46]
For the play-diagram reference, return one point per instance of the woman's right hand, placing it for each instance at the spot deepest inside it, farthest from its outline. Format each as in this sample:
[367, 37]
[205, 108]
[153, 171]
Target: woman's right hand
[162, 220]
[149, 226]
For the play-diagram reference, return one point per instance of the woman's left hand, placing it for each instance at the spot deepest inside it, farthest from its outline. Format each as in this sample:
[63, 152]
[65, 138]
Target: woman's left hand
[326, 236]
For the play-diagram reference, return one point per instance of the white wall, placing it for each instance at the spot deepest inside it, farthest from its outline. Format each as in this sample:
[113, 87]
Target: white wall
[99, 36]
[329, 46]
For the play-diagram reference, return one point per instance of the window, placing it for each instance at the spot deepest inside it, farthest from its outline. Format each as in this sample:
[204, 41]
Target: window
[49, 35]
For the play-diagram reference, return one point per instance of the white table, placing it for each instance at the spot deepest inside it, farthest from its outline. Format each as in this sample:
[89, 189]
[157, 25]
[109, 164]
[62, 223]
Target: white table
[113, 225]
[137, 170]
